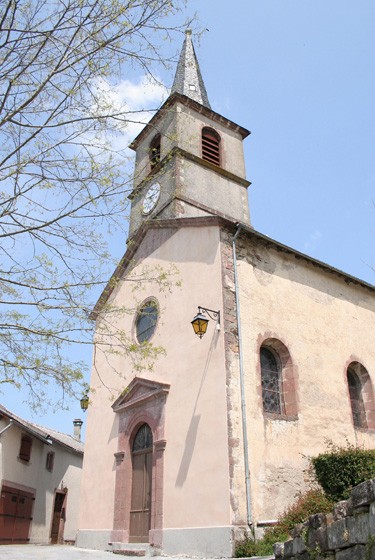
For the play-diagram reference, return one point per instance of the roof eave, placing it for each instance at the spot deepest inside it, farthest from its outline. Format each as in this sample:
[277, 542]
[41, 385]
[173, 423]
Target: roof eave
[188, 102]
[299, 255]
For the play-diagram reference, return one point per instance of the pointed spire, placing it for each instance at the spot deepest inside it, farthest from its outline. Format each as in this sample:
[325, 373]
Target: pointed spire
[188, 79]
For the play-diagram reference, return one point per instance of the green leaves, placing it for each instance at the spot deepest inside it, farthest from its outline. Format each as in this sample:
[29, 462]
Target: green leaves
[63, 184]
[311, 502]
[342, 468]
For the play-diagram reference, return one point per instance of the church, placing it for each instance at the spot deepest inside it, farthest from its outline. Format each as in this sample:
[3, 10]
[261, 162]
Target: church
[264, 353]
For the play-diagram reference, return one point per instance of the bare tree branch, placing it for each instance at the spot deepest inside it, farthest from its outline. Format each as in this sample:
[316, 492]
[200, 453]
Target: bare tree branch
[63, 185]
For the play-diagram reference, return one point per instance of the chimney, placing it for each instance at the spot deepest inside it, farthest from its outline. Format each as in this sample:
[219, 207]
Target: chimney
[77, 423]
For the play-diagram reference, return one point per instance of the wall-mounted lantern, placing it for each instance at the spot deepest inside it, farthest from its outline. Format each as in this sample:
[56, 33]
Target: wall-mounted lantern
[84, 402]
[200, 321]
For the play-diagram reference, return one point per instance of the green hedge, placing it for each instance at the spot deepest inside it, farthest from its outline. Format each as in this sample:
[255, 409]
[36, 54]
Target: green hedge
[338, 470]
[313, 501]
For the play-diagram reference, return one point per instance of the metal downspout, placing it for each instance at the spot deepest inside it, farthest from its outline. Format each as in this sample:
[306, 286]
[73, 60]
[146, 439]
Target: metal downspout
[242, 384]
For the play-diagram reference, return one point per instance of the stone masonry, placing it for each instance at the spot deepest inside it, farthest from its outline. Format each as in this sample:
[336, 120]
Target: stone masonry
[348, 533]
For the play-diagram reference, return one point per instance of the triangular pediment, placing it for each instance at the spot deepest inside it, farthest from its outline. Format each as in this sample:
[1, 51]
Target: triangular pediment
[138, 392]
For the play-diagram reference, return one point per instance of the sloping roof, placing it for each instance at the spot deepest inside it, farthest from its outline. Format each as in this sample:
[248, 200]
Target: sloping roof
[188, 79]
[217, 219]
[44, 434]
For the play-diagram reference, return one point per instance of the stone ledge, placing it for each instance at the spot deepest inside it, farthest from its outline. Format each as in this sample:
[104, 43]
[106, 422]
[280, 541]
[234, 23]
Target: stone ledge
[346, 534]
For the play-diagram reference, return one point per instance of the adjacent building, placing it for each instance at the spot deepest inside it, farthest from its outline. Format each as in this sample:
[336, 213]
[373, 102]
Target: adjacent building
[40, 473]
[215, 438]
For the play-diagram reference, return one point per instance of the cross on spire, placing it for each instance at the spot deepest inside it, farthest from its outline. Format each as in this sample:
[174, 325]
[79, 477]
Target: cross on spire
[188, 79]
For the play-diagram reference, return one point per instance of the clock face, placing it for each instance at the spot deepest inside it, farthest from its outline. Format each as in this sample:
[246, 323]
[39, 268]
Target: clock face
[151, 198]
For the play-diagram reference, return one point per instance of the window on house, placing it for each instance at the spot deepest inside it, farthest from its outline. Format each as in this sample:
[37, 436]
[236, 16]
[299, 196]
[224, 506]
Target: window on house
[271, 381]
[50, 459]
[356, 399]
[211, 146]
[25, 449]
[155, 150]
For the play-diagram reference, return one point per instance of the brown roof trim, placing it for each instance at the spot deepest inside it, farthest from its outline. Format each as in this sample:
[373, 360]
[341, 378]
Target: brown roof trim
[188, 102]
[176, 151]
[135, 241]
[41, 433]
[348, 278]
[221, 220]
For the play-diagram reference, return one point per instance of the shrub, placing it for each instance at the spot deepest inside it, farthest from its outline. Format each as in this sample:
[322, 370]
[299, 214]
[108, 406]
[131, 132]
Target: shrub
[313, 501]
[338, 470]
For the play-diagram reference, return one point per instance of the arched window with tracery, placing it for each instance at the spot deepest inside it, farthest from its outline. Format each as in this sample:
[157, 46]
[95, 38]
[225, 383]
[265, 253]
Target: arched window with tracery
[270, 365]
[278, 380]
[356, 399]
[359, 385]
[211, 146]
[143, 439]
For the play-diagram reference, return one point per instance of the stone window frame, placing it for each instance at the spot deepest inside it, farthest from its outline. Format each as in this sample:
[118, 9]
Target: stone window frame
[288, 380]
[367, 394]
[155, 151]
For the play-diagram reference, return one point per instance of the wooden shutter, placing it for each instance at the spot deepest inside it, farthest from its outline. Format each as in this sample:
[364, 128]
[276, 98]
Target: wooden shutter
[25, 449]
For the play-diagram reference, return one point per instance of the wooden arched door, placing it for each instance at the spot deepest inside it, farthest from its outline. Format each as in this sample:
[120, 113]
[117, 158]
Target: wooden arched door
[140, 509]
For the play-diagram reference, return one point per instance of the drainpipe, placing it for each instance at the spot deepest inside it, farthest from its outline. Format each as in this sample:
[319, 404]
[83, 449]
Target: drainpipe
[6, 427]
[242, 384]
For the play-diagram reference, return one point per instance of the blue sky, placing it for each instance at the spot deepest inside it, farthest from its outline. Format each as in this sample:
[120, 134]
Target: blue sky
[300, 74]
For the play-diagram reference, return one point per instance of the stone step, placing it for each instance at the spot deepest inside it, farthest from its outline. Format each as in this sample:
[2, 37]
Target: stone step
[129, 552]
[131, 549]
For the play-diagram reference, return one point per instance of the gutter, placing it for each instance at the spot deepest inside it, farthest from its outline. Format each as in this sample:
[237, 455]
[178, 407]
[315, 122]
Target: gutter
[6, 427]
[249, 515]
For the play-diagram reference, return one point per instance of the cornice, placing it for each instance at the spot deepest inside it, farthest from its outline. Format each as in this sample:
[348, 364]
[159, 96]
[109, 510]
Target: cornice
[175, 152]
[191, 104]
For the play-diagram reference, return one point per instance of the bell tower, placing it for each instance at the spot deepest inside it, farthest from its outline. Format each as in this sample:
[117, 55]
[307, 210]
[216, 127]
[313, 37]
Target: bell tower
[189, 159]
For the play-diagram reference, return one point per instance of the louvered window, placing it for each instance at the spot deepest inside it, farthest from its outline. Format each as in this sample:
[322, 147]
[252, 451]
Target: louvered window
[271, 381]
[155, 151]
[211, 146]
[356, 400]
[25, 449]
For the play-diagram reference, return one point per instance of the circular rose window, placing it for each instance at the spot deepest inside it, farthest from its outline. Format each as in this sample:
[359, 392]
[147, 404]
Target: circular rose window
[146, 321]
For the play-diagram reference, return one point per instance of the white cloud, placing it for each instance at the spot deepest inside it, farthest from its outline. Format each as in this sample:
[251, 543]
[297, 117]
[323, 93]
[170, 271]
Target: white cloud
[138, 100]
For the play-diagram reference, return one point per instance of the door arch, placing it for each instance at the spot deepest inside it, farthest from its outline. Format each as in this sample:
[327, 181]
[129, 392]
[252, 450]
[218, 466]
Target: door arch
[142, 402]
[140, 507]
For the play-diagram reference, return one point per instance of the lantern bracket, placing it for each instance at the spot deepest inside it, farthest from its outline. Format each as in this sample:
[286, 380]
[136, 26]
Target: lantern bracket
[201, 321]
[215, 314]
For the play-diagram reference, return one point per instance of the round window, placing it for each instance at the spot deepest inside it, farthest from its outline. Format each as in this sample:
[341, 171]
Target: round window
[146, 321]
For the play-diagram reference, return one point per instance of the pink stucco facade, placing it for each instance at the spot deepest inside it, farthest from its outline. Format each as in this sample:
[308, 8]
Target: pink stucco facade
[192, 423]
[221, 461]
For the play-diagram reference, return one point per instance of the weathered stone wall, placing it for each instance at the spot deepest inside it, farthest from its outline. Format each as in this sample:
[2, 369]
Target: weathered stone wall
[348, 533]
[317, 324]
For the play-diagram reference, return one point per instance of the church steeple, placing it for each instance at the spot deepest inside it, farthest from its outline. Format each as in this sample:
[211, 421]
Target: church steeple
[188, 79]
[189, 159]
